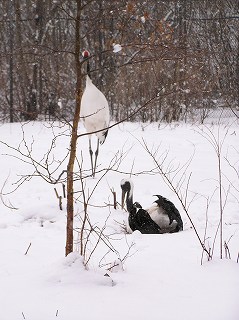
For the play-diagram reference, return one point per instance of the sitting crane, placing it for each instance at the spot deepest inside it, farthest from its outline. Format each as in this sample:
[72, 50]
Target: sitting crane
[162, 217]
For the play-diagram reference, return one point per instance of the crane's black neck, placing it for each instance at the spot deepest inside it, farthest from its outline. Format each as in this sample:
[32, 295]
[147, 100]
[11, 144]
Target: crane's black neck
[87, 60]
[127, 190]
[88, 67]
[129, 200]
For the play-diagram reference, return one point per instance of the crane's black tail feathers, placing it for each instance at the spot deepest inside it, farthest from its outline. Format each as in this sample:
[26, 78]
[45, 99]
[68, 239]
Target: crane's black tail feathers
[103, 136]
[171, 210]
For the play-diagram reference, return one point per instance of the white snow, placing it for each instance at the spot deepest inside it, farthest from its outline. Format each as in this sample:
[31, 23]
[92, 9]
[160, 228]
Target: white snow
[161, 277]
[143, 19]
[59, 103]
[117, 47]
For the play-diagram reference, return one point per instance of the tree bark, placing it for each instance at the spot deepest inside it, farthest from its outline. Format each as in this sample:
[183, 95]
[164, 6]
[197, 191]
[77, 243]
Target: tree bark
[73, 143]
[11, 32]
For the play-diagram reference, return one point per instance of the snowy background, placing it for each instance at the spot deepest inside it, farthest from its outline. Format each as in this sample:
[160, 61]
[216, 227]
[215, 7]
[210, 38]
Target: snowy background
[161, 276]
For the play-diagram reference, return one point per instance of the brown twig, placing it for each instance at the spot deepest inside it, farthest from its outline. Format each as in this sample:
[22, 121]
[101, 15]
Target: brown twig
[114, 198]
[59, 198]
[64, 190]
[176, 191]
[28, 249]
[227, 251]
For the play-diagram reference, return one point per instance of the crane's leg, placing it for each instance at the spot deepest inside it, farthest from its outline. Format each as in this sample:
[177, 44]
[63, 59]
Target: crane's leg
[96, 156]
[91, 156]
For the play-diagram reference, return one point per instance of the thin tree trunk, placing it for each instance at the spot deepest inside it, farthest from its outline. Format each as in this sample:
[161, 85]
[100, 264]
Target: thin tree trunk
[11, 31]
[23, 69]
[73, 143]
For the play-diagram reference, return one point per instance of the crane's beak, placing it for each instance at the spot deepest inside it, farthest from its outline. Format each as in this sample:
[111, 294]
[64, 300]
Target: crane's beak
[122, 199]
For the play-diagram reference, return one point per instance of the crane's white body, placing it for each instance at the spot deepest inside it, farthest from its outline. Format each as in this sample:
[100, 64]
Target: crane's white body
[96, 116]
[159, 216]
[94, 110]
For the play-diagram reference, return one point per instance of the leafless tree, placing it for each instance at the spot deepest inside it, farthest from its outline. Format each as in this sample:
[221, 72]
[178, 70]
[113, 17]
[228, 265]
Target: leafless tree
[190, 47]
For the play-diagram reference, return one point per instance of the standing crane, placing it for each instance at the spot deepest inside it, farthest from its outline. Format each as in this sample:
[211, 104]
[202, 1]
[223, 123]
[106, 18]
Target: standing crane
[162, 217]
[94, 112]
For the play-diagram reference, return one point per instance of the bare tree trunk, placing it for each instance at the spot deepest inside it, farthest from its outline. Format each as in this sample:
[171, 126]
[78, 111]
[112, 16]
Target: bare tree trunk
[237, 71]
[23, 69]
[11, 61]
[73, 144]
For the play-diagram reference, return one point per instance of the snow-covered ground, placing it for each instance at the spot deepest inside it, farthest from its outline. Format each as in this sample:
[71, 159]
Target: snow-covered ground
[161, 276]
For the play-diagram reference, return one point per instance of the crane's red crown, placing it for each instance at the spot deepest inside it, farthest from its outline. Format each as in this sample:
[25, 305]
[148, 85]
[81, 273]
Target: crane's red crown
[85, 54]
